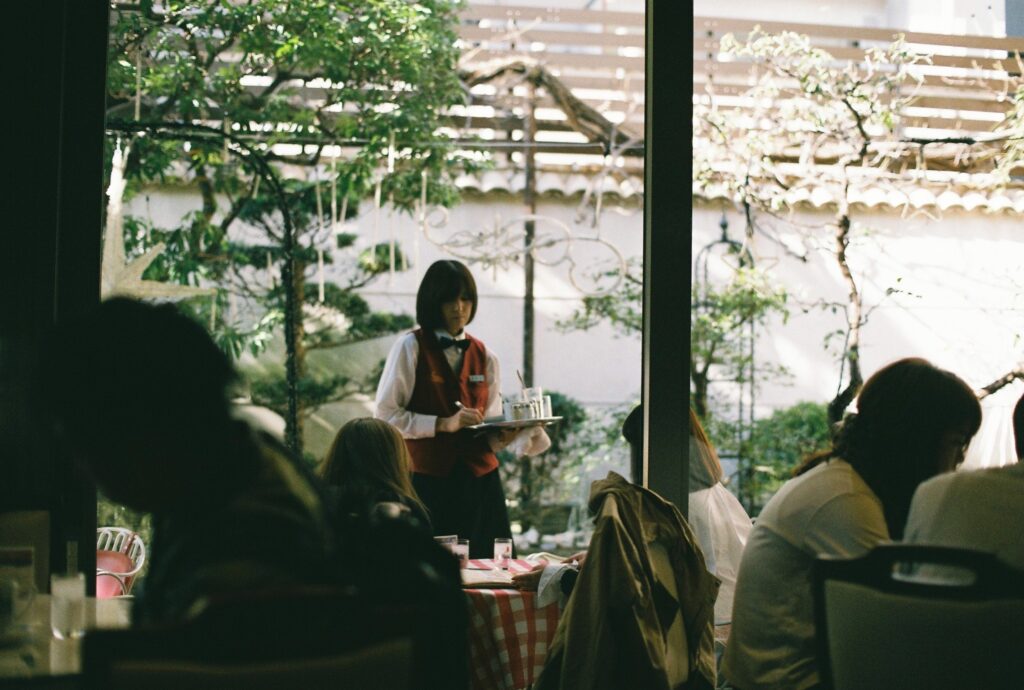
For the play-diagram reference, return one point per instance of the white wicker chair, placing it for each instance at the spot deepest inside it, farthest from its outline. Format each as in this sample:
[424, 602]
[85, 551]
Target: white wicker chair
[118, 540]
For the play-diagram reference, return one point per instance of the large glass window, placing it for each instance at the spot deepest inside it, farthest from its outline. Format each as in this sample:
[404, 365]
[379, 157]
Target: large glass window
[288, 185]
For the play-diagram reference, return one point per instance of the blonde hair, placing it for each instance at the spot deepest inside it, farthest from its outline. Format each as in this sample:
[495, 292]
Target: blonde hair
[705, 461]
[369, 456]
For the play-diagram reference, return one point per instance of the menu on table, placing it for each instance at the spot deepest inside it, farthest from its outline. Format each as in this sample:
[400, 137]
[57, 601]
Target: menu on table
[493, 579]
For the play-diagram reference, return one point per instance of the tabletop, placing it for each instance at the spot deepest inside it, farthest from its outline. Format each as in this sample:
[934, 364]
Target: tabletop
[509, 636]
[37, 653]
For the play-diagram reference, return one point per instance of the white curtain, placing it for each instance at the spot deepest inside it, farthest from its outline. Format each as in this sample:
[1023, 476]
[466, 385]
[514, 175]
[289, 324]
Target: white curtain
[993, 445]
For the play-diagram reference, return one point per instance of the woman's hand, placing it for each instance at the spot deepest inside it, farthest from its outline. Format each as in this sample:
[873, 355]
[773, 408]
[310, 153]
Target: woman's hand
[466, 416]
[528, 581]
[579, 557]
[501, 438]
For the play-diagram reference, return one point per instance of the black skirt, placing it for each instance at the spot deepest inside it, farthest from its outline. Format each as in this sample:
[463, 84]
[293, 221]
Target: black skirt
[469, 506]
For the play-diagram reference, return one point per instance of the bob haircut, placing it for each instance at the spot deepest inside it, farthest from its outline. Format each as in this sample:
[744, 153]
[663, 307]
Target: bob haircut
[443, 282]
[368, 458]
[894, 439]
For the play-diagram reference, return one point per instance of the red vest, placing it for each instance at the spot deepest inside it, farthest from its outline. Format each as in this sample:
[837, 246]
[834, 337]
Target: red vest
[436, 389]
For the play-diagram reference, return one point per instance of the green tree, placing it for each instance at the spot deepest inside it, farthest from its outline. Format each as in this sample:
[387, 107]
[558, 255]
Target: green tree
[777, 444]
[813, 108]
[338, 97]
[719, 315]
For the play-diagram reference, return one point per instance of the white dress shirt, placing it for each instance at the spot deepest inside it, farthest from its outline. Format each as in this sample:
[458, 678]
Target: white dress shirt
[399, 378]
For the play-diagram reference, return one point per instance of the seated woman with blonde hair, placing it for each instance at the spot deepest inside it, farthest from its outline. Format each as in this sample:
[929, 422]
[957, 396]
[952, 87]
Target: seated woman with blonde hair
[717, 518]
[368, 472]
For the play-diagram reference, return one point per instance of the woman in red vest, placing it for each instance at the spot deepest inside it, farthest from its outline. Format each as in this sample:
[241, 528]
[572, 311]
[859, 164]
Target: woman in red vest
[437, 381]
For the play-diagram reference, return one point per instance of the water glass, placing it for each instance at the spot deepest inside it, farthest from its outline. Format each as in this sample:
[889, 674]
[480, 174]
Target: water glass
[547, 407]
[67, 605]
[502, 553]
[533, 393]
[535, 397]
[461, 550]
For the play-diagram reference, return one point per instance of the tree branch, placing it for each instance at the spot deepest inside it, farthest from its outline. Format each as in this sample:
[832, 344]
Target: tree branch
[1001, 382]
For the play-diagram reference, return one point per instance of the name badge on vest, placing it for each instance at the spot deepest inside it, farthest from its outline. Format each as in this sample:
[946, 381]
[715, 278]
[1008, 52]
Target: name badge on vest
[476, 378]
[436, 377]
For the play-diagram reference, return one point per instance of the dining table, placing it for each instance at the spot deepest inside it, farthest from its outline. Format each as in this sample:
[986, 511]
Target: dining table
[31, 654]
[509, 635]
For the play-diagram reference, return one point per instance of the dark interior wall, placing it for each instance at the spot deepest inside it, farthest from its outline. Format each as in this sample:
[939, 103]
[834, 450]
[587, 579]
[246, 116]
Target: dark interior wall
[55, 56]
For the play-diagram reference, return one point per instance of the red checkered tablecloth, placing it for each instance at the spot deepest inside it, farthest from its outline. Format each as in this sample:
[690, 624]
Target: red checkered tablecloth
[508, 637]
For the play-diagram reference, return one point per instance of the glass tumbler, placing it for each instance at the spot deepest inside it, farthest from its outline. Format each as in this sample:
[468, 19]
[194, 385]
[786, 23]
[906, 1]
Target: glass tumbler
[502, 553]
[67, 605]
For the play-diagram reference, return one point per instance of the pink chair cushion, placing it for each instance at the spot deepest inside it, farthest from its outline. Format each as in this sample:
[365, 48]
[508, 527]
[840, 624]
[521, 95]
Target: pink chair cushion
[114, 561]
[108, 586]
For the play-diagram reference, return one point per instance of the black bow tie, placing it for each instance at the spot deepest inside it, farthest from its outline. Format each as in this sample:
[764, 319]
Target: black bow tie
[452, 342]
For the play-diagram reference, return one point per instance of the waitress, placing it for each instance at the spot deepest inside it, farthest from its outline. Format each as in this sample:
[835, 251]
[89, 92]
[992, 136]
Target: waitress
[437, 381]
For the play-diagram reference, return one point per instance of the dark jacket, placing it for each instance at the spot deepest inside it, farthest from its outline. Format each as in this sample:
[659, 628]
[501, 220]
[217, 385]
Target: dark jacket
[642, 612]
[268, 528]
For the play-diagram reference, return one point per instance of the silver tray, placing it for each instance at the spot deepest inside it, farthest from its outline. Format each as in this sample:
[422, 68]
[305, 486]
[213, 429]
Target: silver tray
[515, 424]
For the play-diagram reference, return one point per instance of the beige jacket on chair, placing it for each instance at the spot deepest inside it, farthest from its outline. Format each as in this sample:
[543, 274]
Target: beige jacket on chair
[641, 614]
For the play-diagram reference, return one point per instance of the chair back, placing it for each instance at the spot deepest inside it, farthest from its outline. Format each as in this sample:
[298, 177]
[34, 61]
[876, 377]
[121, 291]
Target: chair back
[906, 617]
[120, 556]
[384, 665]
[310, 637]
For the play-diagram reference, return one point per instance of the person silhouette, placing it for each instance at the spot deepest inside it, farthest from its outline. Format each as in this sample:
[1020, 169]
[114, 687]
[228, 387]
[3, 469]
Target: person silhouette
[140, 398]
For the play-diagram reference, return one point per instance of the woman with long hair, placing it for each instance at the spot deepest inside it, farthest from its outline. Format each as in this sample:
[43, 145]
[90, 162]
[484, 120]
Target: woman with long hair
[913, 421]
[718, 519]
[368, 464]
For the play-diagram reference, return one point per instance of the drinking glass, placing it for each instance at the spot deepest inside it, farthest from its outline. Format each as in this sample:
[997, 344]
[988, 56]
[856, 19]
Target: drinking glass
[67, 605]
[502, 553]
[535, 396]
[462, 551]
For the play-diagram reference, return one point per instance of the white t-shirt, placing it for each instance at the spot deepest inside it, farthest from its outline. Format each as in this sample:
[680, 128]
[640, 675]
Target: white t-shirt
[827, 511]
[978, 509]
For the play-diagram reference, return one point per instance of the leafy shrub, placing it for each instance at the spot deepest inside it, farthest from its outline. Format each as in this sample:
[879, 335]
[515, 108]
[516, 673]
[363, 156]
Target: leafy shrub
[775, 447]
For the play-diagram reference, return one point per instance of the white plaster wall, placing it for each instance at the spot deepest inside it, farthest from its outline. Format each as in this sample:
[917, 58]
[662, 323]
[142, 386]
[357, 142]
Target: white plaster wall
[972, 17]
[598, 367]
[968, 17]
[828, 12]
[960, 303]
